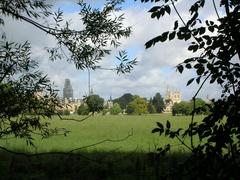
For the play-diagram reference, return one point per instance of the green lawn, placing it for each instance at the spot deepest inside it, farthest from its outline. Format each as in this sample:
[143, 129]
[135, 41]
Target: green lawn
[128, 159]
[100, 128]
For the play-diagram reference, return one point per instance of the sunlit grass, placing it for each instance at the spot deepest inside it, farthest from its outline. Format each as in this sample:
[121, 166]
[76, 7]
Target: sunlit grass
[99, 128]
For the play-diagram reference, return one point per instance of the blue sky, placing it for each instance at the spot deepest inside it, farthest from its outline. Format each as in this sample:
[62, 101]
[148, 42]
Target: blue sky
[154, 72]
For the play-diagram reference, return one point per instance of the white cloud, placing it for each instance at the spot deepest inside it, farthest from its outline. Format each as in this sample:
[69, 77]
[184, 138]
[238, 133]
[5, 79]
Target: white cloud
[154, 72]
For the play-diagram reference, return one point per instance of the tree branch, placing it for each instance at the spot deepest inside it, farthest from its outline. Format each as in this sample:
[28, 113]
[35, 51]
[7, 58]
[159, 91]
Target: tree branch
[76, 120]
[71, 152]
[215, 8]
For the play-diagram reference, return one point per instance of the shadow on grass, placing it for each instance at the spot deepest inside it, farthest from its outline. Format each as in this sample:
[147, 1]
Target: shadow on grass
[91, 165]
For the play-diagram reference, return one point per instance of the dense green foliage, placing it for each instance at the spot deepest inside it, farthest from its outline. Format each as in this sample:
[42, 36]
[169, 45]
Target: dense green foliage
[158, 102]
[83, 110]
[186, 107]
[182, 108]
[124, 100]
[94, 103]
[151, 108]
[215, 47]
[137, 106]
[116, 109]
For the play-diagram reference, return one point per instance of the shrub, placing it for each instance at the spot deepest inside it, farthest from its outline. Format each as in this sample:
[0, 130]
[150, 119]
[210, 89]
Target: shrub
[116, 109]
[83, 110]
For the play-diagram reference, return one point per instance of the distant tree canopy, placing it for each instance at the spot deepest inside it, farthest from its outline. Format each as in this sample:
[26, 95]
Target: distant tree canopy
[151, 107]
[137, 106]
[83, 110]
[124, 100]
[158, 103]
[116, 109]
[24, 89]
[186, 107]
[95, 103]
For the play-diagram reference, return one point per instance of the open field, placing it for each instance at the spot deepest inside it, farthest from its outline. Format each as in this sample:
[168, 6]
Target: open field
[101, 128]
[127, 159]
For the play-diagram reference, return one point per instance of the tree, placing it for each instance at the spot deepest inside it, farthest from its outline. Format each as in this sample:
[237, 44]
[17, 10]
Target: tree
[95, 103]
[158, 103]
[26, 94]
[116, 109]
[137, 106]
[151, 108]
[124, 100]
[216, 48]
[183, 108]
[199, 106]
[186, 107]
[83, 110]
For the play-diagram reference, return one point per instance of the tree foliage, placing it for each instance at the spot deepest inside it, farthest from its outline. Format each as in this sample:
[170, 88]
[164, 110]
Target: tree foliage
[151, 107]
[124, 100]
[216, 45]
[83, 110]
[182, 108]
[94, 103]
[158, 103]
[186, 107]
[137, 106]
[116, 109]
[26, 94]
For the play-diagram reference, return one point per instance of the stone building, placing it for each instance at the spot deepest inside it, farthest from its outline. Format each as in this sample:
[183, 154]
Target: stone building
[171, 98]
[67, 90]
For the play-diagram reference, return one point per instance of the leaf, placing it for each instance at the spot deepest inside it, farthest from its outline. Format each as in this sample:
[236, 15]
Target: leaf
[211, 28]
[202, 30]
[160, 125]
[172, 35]
[168, 125]
[175, 25]
[188, 66]
[200, 70]
[198, 79]
[154, 9]
[164, 36]
[190, 81]
[180, 68]
[167, 9]
[155, 130]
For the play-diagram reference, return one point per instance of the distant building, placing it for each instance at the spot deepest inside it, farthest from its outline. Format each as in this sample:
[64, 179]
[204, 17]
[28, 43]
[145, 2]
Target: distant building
[67, 90]
[108, 103]
[171, 98]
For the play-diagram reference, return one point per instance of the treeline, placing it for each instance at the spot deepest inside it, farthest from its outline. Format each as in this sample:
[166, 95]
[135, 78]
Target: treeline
[134, 104]
[186, 107]
[126, 104]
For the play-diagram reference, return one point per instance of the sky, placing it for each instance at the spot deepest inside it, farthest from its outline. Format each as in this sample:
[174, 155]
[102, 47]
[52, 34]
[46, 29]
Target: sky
[155, 71]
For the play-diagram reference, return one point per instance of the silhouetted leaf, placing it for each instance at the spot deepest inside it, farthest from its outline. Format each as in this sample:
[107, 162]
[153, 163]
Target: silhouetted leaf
[172, 35]
[168, 125]
[190, 81]
[155, 130]
[167, 9]
[180, 68]
[175, 25]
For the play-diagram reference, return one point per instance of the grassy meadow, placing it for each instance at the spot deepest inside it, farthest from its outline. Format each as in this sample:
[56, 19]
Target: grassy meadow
[112, 159]
[110, 129]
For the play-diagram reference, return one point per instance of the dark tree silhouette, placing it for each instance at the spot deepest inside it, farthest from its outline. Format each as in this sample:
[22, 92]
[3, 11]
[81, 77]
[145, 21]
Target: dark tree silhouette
[95, 103]
[124, 100]
[158, 103]
[218, 47]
